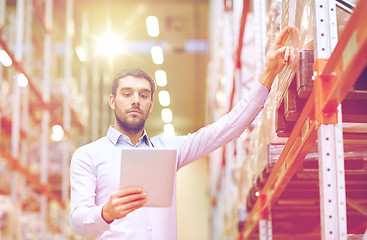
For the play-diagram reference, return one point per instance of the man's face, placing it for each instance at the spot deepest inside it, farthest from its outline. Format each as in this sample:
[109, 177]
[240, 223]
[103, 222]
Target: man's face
[132, 103]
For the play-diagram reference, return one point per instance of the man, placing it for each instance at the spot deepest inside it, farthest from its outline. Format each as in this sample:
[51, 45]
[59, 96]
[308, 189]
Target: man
[99, 206]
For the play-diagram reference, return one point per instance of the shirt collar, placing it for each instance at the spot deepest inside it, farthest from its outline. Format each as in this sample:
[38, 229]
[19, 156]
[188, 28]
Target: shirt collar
[145, 138]
[115, 136]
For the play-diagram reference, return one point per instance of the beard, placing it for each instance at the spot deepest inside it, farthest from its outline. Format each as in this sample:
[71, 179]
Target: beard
[129, 123]
[130, 126]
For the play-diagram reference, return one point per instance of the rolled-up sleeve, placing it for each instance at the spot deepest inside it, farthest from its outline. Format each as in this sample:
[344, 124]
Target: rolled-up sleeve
[85, 215]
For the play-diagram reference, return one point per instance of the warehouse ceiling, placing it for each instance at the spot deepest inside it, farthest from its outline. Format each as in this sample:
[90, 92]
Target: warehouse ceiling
[183, 37]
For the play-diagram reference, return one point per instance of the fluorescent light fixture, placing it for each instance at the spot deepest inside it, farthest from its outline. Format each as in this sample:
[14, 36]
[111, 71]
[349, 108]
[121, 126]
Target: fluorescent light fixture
[220, 96]
[109, 45]
[57, 133]
[168, 130]
[166, 115]
[5, 59]
[22, 80]
[164, 98]
[80, 52]
[152, 26]
[161, 78]
[157, 54]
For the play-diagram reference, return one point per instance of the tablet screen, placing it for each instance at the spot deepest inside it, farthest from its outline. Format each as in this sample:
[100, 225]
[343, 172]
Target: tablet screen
[153, 169]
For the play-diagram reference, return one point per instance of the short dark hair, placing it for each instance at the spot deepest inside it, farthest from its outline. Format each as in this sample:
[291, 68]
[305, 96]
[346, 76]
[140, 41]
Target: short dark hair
[135, 72]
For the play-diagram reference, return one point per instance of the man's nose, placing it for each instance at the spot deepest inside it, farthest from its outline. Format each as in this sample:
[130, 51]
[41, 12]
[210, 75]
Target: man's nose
[135, 98]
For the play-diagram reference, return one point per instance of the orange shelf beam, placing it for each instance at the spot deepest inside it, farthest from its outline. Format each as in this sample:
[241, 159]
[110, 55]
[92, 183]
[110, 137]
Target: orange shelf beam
[41, 15]
[42, 188]
[348, 59]
[19, 67]
[300, 141]
[246, 6]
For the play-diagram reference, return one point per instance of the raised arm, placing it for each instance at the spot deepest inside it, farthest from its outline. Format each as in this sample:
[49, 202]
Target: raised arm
[231, 125]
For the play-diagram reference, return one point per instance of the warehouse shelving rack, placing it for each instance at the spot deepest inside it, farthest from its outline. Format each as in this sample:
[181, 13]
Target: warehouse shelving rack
[20, 131]
[335, 71]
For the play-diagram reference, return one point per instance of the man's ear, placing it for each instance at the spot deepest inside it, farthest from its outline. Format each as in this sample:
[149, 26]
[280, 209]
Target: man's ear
[151, 107]
[111, 101]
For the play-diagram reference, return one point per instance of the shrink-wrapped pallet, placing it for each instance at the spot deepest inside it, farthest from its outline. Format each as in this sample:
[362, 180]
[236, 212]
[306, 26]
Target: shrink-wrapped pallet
[299, 14]
[263, 133]
[295, 81]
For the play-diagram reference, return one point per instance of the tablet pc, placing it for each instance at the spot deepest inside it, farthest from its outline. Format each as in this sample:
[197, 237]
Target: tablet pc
[153, 169]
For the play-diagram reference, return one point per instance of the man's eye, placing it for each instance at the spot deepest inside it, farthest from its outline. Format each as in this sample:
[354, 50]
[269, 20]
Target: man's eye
[143, 95]
[126, 94]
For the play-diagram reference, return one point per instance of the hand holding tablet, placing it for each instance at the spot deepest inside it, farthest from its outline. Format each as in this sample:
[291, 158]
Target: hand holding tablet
[123, 202]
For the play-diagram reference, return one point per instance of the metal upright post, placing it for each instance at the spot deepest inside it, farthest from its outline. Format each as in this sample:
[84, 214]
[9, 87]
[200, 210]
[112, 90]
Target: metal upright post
[44, 159]
[68, 61]
[83, 67]
[265, 224]
[94, 101]
[228, 49]
[26, 93]
[260, 34]
[1, 82]
[106, 76]
[2, 23]
[15, 129]
[330, 132]
[2, 12]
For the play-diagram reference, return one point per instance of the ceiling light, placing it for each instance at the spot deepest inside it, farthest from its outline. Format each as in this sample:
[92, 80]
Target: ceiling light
[166, 115]
[109, 45]
[157, 54]
[168, 130]
[80, 52]
[161, 78]
[57, 133]
[164, 98]
[5, 59]
[152, 26]
[220, 96]
[22, 80]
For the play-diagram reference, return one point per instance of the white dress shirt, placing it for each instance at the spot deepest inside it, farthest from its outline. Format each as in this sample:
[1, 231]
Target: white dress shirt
[95, 174]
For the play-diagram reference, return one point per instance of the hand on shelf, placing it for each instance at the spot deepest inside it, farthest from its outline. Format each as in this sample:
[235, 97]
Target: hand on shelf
[278, 56]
